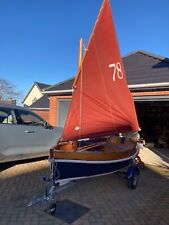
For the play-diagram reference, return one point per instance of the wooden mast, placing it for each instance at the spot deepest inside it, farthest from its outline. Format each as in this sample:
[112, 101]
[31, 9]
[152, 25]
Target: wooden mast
[80, 57]
[80, 52]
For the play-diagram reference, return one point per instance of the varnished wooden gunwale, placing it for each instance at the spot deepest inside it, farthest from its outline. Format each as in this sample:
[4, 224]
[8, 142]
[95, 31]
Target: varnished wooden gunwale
[92, 155]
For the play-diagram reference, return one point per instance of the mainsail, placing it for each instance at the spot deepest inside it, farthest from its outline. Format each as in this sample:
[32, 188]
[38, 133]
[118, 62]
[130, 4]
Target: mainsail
[101, 102]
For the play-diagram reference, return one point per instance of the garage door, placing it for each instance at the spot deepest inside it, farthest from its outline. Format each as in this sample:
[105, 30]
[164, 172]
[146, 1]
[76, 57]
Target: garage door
[63, 110]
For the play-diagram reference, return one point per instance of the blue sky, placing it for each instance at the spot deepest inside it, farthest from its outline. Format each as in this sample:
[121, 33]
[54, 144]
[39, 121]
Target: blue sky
[39, 39]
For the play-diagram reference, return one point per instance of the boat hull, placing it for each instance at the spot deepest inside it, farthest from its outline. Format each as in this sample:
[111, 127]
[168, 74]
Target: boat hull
[68, 170]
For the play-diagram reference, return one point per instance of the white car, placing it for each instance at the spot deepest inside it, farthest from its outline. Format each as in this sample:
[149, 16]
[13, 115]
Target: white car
[24, 134]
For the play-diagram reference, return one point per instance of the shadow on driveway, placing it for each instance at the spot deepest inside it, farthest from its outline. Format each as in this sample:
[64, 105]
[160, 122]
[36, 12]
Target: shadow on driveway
[6, 165]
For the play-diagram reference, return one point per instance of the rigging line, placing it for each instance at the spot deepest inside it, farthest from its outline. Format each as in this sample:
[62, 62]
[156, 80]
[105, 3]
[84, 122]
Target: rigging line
[81, 86]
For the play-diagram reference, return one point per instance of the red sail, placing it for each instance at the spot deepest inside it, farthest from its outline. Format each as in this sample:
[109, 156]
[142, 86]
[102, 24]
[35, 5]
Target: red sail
[101, 103]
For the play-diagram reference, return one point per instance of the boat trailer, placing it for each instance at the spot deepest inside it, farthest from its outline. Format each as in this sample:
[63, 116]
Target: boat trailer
[52, 189]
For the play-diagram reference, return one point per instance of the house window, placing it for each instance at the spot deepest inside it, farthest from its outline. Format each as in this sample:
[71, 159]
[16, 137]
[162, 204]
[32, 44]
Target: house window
[62, 111]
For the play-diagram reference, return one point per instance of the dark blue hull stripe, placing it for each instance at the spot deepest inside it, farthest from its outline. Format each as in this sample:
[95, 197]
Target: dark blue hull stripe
[68, 170]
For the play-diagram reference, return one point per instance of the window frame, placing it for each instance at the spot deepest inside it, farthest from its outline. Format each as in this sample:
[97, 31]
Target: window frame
[12, 114]
[20, 121]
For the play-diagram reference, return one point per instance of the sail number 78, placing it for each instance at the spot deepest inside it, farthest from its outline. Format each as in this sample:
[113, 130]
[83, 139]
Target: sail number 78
[117, 71]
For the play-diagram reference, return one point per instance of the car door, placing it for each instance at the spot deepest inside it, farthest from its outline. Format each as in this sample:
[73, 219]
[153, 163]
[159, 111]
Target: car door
[26, 136]
[34, 136]
[7, 131]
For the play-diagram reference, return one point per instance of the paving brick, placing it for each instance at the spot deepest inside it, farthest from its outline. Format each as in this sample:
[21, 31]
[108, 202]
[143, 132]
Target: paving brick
[109, 199]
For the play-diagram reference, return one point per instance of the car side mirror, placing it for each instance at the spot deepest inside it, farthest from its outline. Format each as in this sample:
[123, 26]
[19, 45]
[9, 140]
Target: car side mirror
[47, 125]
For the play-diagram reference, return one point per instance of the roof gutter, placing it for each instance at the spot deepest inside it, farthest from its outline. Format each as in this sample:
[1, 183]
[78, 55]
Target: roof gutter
[60, 91]
[133, 86]
[150, 85]
[151, 98]
[39, 108]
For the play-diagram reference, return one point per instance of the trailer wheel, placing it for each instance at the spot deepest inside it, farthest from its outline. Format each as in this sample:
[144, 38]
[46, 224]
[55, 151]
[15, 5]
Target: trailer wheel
[52, 208]
[133, 180]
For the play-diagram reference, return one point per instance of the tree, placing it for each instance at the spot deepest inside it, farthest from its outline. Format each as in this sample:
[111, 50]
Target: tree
[8, 91]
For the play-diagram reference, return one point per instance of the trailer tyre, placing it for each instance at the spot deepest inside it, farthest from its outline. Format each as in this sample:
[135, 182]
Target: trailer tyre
[133, 180]
[52, 208]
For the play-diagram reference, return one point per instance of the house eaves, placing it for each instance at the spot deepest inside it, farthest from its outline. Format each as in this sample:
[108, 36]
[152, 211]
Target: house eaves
[59, 92]
[34, 84]
[148, 86]
[131, 87]
[38, 108]
[157, 98]
[39, 86]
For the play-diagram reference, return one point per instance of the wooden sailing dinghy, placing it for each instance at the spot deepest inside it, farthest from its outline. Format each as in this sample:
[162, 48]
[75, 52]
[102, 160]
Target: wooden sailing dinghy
[98, 135]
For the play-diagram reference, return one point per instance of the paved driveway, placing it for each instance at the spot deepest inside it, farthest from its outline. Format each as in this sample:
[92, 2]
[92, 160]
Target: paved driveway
[108, 198]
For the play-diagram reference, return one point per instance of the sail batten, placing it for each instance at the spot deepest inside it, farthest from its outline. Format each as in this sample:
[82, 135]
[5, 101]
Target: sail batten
[101, 102]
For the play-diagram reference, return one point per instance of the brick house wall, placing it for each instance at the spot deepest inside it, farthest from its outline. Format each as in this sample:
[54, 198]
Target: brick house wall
[150, 93]
[54, 102]
[11, 102]
[53, 108]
